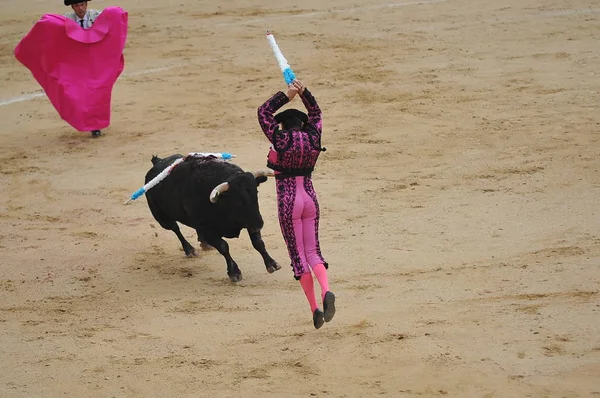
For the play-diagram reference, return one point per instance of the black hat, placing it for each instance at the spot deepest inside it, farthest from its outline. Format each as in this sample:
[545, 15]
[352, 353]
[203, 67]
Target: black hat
[71, 2]
[290, 113]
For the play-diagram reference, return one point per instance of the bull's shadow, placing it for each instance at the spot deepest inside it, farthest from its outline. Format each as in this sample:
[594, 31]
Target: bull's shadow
[216, 198]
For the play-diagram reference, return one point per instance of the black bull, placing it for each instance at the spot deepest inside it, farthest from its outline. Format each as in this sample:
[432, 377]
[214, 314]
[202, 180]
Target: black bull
[216, 198]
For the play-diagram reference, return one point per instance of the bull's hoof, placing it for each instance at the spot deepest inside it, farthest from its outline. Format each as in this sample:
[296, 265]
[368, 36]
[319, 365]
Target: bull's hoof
[235, 277]
[273, 267]
[205, 246]
[191, 253]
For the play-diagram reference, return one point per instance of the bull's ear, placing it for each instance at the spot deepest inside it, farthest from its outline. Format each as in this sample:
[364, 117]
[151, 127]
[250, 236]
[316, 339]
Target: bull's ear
[260, 180]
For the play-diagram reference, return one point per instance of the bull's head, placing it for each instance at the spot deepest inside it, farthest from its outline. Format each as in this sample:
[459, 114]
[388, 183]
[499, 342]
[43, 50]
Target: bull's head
[260, 176]
[242, 197]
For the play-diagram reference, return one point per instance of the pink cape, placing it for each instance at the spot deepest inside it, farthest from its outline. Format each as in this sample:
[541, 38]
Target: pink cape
[77, 68]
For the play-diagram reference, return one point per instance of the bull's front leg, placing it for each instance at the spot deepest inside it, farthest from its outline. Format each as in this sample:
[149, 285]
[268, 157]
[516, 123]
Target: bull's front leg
[259, 245]
[234, 273]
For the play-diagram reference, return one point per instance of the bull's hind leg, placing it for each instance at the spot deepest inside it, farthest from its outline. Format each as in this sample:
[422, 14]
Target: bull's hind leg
[259, 245]
[187, 248]
[204, 245]
[169, 224]
[234, 273]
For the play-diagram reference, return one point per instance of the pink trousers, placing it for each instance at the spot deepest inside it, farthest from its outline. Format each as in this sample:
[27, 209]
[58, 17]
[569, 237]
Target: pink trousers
[298, 211]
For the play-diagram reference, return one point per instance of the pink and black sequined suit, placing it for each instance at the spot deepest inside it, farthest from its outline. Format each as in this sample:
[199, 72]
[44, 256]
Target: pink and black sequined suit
[293, 155]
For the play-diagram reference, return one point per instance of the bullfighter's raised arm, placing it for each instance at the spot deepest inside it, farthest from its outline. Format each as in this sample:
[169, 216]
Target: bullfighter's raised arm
[314, 112]
[266, 113]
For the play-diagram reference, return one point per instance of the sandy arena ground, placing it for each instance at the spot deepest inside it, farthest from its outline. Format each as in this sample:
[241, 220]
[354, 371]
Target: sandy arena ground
[459, 197]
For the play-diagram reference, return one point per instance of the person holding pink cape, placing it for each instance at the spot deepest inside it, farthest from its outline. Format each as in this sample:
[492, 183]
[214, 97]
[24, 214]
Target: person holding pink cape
[81, 14]
[77, 58]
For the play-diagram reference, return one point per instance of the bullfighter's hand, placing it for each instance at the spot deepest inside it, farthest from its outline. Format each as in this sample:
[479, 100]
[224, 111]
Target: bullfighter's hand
[292, 91]
[298, 84]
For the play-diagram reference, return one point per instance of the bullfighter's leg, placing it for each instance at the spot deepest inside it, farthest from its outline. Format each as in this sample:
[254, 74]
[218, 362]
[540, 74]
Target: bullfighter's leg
[291, 198]
[310, 229]
[310, 226]
[233, 271]
[259, 245]
[306, 277]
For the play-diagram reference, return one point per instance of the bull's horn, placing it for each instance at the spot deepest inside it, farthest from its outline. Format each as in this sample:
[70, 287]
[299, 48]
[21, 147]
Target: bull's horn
[219, 189]
[263, 172]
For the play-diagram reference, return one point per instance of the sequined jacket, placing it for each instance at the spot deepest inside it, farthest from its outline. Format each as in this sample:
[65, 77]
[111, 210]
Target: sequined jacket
[293, 152]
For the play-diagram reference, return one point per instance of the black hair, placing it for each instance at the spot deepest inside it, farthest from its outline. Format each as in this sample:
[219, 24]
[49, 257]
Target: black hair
[291, 118]
[291, 122]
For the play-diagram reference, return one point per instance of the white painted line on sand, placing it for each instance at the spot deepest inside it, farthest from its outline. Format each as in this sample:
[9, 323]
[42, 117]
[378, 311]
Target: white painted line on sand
[22, 98]
[152, 70]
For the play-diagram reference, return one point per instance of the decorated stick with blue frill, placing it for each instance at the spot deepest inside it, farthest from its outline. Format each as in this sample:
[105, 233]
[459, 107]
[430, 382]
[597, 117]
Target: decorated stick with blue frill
[288, 74]
[163, 174]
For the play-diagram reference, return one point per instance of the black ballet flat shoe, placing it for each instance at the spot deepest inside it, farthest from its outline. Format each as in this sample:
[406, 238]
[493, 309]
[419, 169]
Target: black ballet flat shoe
[318, 320]
[329, 306]
[96, 133]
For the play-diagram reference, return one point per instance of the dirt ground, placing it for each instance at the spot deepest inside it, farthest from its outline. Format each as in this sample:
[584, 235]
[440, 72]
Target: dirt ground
[459, 199]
